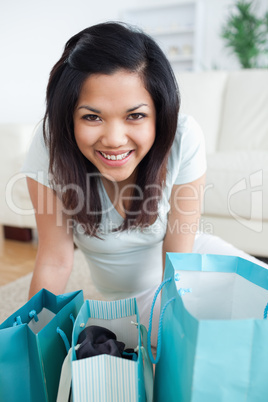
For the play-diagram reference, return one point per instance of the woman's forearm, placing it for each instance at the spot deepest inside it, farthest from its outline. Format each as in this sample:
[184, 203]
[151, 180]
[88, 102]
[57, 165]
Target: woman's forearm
[51, 277]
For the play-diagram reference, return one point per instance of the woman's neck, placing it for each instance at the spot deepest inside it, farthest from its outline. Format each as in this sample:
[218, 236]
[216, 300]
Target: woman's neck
[120, 193]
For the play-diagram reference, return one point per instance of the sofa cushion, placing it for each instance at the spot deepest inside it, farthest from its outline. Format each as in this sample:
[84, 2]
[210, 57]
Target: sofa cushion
[16, 208]
[202, 95]
[237, 185]
[245, 115]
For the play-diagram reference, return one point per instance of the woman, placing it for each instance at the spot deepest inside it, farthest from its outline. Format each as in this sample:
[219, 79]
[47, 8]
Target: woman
[113, 167]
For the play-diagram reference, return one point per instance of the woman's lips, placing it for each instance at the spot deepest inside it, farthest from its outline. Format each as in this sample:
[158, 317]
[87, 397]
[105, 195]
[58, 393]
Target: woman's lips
[115, 159]
[115, 156]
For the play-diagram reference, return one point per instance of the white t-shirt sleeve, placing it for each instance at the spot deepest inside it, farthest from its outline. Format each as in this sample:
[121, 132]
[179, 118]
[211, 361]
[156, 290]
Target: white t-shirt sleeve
[36, 163]
[189, 158]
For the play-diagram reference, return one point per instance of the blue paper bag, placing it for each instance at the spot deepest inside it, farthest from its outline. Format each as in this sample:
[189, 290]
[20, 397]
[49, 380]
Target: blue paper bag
[213, 331]
[31, 349]
[105, 377]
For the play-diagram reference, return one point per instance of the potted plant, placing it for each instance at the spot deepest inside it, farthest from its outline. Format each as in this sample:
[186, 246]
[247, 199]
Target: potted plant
[246, 35]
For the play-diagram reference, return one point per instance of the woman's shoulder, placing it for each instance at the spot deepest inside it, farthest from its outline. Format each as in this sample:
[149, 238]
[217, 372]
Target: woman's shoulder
[187, 156]
[188, 128]
[38, 137]
[36, 163]
[188, 136]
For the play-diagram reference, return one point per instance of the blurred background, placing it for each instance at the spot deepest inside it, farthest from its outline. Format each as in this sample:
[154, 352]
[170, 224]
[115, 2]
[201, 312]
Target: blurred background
[33, 33]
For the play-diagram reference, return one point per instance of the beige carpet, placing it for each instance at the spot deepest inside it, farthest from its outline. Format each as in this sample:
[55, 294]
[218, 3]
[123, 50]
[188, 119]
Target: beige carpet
[14, 295]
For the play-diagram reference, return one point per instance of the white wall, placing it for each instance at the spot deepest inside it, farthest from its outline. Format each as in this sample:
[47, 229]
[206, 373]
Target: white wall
[215, 55]
[33, 33]
[32, 36]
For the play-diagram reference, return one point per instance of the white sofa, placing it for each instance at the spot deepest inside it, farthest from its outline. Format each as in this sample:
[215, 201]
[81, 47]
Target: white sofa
[232, 109]
[15, 205]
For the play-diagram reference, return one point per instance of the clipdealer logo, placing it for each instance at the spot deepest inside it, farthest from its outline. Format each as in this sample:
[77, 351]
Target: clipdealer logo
[252, 186]
[255, 191]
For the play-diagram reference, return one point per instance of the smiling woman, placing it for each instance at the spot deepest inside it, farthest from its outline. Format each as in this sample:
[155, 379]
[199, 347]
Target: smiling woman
[120, 100]
[115, 167]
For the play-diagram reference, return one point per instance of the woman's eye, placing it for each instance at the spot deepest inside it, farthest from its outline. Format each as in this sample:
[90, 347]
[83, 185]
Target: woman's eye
[91, 117]
[136, 116]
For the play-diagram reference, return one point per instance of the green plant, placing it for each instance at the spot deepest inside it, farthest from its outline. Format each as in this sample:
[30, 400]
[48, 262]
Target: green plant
[246, 34]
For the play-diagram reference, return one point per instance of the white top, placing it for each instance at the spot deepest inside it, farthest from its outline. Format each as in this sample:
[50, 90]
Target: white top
[125, 263]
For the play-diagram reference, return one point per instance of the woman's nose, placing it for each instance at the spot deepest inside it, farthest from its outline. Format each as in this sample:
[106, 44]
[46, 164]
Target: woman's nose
[115, 136]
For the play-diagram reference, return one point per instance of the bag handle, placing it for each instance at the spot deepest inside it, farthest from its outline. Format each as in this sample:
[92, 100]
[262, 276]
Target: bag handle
[159, 335]
[148, 375]
[17, 321]
[265, 313]
[66, 369]
[64, 336]
[148, 368]
[66, 378]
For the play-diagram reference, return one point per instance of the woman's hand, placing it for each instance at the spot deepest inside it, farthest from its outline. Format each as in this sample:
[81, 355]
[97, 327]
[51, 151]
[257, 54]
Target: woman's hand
[54, 259]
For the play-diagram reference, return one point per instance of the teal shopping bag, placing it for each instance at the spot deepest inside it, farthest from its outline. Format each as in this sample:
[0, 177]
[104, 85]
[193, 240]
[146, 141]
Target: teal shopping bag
[104, 377]
[213, 331]
[31, 349]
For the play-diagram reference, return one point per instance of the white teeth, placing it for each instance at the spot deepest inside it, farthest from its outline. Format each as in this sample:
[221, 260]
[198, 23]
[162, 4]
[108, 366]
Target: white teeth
[115, 157]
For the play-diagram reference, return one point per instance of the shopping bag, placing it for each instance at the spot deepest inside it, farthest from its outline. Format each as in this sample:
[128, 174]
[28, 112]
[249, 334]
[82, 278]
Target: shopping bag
[105, 377]
[31, 348]
[213, 331]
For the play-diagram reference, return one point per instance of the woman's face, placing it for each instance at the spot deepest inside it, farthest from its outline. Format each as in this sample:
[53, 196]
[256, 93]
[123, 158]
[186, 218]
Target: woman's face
[114, 123]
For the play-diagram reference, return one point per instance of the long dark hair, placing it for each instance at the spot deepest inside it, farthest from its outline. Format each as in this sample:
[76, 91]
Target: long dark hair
[104, 49]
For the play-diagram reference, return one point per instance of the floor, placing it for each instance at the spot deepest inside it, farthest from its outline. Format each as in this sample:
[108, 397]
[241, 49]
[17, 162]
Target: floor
[16, 258]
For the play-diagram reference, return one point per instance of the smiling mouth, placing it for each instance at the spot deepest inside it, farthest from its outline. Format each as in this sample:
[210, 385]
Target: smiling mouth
[115, 157]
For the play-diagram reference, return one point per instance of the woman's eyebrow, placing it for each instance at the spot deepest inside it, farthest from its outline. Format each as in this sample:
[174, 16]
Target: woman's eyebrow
[136, 107]
[92, 109]
[89, 108]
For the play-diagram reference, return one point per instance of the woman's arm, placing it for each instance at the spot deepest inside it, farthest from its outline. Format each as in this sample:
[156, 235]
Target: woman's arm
[183, 218]
[54, 259]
